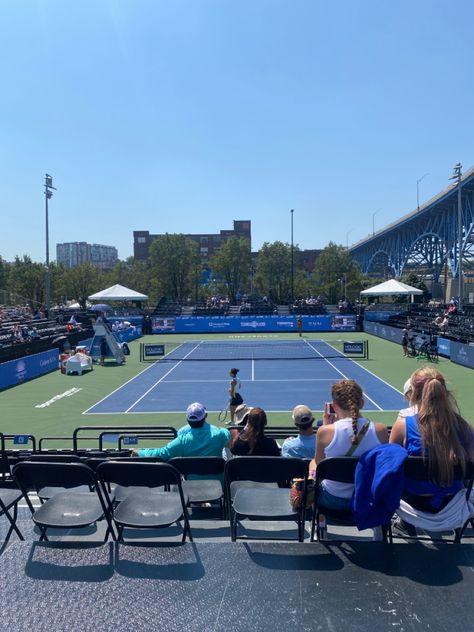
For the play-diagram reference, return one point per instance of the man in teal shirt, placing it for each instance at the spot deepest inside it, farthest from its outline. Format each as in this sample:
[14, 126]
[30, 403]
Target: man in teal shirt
[199, 439]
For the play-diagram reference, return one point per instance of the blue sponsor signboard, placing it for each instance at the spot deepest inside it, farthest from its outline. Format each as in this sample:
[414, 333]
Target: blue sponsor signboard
[18, 371]
[462, 354]
[353, 347]
[253, 324]
[444, 347]
[154, 350]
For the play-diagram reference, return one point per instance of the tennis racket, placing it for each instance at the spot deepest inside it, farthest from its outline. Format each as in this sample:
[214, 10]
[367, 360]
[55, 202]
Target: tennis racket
[223, 414]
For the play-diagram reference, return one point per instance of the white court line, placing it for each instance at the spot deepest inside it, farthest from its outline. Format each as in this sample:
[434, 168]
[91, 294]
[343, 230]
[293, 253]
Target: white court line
[370, 372]
[180, 412]
[253, 370]
[86, 412]
[162, 378]
[309, 379]
[341, 373]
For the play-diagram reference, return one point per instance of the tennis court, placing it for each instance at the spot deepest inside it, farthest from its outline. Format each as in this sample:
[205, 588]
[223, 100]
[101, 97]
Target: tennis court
[275, 375]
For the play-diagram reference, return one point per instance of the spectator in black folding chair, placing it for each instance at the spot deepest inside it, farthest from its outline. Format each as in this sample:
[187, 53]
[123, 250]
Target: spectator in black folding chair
[344, 433]
[252, 440]
[198, 439]
[439, 433]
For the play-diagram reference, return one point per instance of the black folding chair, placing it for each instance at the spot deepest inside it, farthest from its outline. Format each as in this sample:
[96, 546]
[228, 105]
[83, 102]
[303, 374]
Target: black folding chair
[146, 508]
[202, 490]
[45, 493]
[417, 469]
[118, 492]
[68, 509]
[9, 498]
[258, 501]
[339, 469]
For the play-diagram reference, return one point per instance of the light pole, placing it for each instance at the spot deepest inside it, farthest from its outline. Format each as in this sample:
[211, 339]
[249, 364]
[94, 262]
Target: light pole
[373, 219]
[48, 194]
[418, 190]
[292, 262]
[457, 177]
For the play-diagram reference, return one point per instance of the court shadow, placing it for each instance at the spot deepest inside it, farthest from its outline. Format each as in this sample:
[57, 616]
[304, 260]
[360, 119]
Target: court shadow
[322, 559]
[424, 564]
[70, 561]
[158, 561]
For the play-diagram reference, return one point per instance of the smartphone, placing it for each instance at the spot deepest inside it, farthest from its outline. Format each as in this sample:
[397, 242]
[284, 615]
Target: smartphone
[328, 408]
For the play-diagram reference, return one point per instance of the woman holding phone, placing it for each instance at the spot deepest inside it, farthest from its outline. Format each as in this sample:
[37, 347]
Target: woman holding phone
[344, 433]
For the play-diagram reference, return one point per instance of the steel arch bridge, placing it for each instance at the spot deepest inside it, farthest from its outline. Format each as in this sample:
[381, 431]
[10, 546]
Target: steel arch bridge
[426, 238]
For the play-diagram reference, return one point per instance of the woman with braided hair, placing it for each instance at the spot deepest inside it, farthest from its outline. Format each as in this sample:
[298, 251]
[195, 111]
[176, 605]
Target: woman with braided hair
[438, 432]
[344, 433]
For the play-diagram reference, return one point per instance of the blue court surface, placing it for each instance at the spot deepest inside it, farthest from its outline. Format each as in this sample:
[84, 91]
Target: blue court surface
[275, 375]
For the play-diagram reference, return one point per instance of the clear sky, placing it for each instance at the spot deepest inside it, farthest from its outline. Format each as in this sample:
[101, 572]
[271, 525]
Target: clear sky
[182, 115]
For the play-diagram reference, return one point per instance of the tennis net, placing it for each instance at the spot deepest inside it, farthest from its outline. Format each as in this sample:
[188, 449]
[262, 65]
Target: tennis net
[254, 350]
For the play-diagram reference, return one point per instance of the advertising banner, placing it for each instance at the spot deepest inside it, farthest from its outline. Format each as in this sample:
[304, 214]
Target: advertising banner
[462, 354]
[23, 369]
[444, 347]
[242, 324]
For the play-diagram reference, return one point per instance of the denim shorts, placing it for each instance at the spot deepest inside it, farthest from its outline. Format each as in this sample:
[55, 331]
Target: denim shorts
[333, 502]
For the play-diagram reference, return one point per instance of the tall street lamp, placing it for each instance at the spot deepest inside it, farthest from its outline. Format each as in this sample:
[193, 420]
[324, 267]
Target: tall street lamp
[48, 194]
[292, 262]
[457, 173]
[373, 219]
[418, 190]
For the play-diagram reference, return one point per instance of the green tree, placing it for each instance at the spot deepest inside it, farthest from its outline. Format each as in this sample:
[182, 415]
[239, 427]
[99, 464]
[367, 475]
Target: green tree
[273, 272]
[173, 259]
[336, 273]
[82, 281]
[232, 264]
[27, 280]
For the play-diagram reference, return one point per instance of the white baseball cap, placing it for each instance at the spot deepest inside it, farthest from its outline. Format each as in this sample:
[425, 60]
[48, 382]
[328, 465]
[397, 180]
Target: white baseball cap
[195, 412]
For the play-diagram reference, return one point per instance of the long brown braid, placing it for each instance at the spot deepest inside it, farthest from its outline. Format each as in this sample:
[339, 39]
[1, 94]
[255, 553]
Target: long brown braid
[348, 395]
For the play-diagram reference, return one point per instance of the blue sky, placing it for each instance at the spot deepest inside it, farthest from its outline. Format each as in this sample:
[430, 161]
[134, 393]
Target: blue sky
[182, 115]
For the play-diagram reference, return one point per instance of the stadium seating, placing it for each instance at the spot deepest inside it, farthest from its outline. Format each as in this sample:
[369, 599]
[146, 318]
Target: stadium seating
[68, 509]
[263, 502]
[145, 507]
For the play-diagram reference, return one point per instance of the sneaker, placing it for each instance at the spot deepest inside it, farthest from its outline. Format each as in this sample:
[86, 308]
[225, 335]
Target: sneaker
[403, 528]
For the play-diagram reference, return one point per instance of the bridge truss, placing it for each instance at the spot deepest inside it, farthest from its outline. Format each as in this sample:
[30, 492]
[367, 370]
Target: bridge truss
[425, 240]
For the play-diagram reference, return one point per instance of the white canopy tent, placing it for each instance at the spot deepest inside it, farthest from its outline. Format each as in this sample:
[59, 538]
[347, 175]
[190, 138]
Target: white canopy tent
[118, 293]
[391, 288]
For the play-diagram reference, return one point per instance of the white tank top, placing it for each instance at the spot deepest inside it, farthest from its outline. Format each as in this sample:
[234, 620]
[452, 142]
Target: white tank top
[340, 446]
[236, 382]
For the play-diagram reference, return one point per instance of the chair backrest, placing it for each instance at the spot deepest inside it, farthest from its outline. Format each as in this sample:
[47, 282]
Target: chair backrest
[138, 473]
[417, 468]
[54, 458]
[337, 468]
[264, 469]
[38, 474]
[95, 461]
[199, 465]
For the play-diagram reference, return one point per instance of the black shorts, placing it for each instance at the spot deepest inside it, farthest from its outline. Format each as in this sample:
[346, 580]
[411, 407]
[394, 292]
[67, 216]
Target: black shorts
[236, 400]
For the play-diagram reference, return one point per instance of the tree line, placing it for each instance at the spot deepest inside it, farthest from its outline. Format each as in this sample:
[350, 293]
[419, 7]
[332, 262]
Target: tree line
[174, 269]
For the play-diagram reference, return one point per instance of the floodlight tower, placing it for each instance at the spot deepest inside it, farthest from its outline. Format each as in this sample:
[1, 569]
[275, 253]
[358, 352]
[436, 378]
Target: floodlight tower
[457, 175]
[48, 194]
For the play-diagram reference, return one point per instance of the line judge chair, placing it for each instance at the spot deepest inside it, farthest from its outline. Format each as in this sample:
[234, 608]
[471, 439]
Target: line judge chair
[263, 501]
[144, 507]
[68, 509]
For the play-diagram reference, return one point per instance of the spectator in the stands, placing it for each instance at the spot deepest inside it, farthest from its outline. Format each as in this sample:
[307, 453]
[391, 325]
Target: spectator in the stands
[241, 414]
[252, 440]
[198, 439]
[344, 433]
[304, 445]
[439, 434]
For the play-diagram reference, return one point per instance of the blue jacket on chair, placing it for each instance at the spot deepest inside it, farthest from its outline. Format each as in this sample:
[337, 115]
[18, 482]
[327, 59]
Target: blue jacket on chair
[379, 481]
